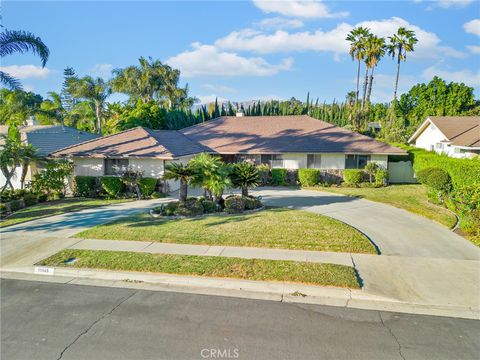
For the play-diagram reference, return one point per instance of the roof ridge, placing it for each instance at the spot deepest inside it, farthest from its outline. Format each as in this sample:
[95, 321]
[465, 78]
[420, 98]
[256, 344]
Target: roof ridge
[202, 123]
[96, 139]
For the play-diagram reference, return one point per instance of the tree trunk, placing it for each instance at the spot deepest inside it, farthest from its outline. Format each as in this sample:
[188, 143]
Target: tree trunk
[365, 82]
[358, 82]
[8, 177]
[98, 113]
[183, 190]
[396, 80]
[244, 191]
[25, 166]
[370, 84]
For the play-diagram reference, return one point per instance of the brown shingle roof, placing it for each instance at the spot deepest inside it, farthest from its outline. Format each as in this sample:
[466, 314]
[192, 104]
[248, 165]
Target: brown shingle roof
[282, 134]
[137, 142]
[459, 130]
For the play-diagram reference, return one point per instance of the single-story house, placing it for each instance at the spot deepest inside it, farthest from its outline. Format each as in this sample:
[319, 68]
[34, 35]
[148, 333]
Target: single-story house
[290, 142]
[455, 136]
[46, 139]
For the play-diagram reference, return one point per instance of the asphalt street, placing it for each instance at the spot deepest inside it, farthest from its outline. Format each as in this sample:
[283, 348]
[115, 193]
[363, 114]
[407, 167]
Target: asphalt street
[41, 320]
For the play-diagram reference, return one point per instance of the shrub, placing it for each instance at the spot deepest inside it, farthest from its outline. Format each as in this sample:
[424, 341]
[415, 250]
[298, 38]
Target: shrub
[157, 195]
[309, 177]
[3, 210]
[435, 178]
[279, 176]
[265, 174]
[210, 206]
[234, 204]
[147, 186]
[292, 177]
[191, 207]
[15, 205]
[112, 185]
[352, 176]
[84, 186]
[30, 199]
[245, 176]
[371, 168]
[53, 178]
[381, 177]
[252, 203]
[467, 198]
[42, 197]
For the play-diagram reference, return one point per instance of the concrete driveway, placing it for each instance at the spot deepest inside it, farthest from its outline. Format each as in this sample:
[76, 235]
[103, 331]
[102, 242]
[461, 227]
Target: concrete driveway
[394, 231]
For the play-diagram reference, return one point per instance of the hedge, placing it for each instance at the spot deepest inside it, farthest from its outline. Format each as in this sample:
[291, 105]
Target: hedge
[112, 185]
[435, 178]
[147, 186]
[84, 186]
[352, 176]
[381, 177]
[309, 177]
[464, 172]
[279, 176]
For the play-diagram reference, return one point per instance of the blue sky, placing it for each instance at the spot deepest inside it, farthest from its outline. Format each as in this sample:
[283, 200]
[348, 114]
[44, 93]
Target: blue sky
[244, 50]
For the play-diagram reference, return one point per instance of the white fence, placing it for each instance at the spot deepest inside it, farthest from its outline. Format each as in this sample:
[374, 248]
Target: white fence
[401, 172]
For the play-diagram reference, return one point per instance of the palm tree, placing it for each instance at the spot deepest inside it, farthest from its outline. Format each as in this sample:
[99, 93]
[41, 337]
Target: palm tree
[401, 43]
[374, 51]
[95, 91]
[17, 41]
[52, 109]
[183, 173]
[245, 176]
[10, 155]
[357, 37]
[212, 174]
[28, 154]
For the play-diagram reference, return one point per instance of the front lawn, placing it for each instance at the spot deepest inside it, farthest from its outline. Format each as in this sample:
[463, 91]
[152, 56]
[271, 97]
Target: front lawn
[412, 198]
[56, 207]
[272, 228]
[222, 267]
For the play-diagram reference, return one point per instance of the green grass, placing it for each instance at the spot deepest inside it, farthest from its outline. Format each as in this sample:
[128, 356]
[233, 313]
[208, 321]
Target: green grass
[272, 228]
[412, 198]
[221, 267]
[56, 207]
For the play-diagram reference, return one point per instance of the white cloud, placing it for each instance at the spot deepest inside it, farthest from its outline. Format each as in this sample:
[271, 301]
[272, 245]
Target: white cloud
[382, 90]
[428, 46]
[310, 9]
[474, 49]
[472, 27]
[207, 99]
[102, 70]
[468, 77]
[277, 23]
[446, 4]
[219, 88]
[207, 60]
[26, 71]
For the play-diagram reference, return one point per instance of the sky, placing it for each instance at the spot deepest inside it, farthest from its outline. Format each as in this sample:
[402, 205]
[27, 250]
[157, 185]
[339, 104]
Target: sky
[246, 50]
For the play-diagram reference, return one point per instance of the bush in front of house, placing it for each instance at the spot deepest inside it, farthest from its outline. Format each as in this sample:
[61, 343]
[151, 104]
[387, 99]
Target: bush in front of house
[435, 178]
[265, 174]
[252, 203]
[3, 210]
[16, 205]
[235, 204]
[209, 206]
[84, 186]
[381, 177]
[371, 168]
[279, 177]
[112, 185]
[30, 199]
[191, 207]
[309, 177]
[352, 176]
[147, 186]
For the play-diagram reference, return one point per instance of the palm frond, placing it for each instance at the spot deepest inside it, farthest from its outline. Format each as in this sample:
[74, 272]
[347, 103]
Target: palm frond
[9, 81]
[19, 41]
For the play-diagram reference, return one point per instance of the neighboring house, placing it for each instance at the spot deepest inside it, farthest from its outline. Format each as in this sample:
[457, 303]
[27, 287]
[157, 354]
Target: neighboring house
[290, 142]
[455, 136]
[46, 139]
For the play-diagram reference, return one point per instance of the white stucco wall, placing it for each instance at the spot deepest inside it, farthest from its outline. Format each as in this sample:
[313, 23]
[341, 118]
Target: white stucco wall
[88, 167]
[429, 137]
[381, 160]
[328, 161]
[333, 161]
[150, 167]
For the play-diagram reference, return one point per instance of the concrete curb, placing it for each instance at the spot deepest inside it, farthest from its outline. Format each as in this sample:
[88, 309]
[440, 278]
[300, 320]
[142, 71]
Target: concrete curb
[260, 290]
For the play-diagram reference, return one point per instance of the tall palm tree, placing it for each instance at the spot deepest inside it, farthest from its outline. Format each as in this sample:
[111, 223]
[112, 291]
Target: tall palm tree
[52, 109]
[374, 51]
[400, 44]
[183, 173]
[17, 41]
[96, 91]
[357, 37]
[28, 154]
[10, 155]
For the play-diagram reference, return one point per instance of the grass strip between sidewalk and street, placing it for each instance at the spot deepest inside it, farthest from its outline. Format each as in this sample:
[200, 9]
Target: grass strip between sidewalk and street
[411, 197]
[272, 228]
[221, 267]
[56, 207]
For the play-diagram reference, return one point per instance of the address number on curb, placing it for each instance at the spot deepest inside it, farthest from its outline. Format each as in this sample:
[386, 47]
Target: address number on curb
[44, 270]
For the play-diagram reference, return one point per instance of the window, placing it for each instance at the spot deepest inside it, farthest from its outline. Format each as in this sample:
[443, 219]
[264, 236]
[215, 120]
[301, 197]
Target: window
[356, 161]
[314, 161]
[115, 166]
[269, 158]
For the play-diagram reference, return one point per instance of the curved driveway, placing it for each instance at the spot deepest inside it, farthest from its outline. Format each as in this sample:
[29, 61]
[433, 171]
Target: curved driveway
[394, 231]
